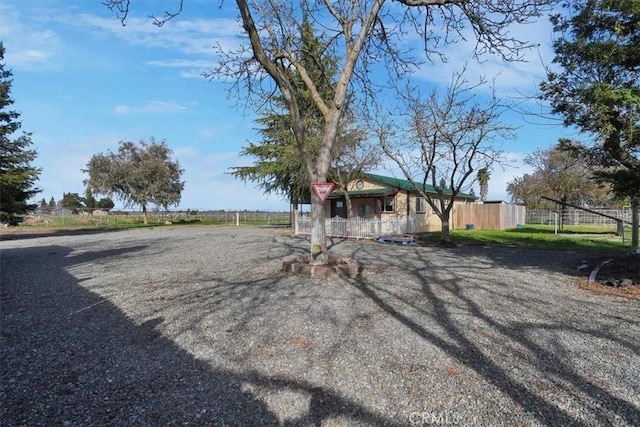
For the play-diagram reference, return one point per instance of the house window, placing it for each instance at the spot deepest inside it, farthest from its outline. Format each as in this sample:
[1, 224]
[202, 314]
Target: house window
[421, 205]
[388, 204]
[365, 211]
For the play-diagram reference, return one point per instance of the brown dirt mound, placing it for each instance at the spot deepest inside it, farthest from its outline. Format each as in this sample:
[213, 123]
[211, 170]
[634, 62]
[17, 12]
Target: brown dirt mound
[620, 276]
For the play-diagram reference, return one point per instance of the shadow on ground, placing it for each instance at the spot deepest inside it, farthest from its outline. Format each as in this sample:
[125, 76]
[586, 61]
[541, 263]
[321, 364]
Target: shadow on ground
[448, 291]
[15, 234]
[71, 357]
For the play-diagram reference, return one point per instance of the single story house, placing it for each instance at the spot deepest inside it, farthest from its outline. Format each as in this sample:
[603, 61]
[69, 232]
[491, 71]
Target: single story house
[382, 197]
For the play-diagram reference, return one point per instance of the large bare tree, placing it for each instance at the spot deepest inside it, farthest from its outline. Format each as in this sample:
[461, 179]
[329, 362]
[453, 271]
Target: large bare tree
[364, 34]
[443, 141]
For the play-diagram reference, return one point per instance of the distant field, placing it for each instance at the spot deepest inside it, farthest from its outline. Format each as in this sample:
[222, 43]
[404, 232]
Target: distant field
[128, 220]
[602, 238]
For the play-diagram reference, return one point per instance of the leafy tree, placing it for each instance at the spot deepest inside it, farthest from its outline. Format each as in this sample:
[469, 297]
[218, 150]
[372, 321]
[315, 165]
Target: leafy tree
[525, 190]
[105, 204]
[365, 33]
[597, 88]
[72, 201]
[559, 175]
[449, 137]
[17, 175]
[139, 174]
[90, 202]
[482, 177]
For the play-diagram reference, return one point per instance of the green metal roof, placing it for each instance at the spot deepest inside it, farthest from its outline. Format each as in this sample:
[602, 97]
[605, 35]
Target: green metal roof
[373, 192]
[407, 185]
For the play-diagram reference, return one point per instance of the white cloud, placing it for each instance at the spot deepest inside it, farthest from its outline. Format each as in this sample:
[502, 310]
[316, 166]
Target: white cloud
[511, 78]
[513, 167]
[192, 68]
[26, 48]
[182, 63]
[153, 107]
[193, 37]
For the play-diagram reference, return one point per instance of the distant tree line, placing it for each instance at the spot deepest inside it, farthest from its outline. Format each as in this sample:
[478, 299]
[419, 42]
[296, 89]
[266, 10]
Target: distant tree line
[75, 202]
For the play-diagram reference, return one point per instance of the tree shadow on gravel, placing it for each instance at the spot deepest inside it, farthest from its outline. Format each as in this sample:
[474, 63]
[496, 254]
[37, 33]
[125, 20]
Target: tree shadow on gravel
[448, 288]
[33, 234]
[71, 357]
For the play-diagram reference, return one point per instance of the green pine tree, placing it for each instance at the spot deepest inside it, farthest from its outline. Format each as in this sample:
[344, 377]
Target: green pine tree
[278, 167]
[17, 175]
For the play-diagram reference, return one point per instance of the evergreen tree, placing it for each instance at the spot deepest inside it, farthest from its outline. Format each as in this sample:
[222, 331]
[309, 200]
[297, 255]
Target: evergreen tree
[90, 202]
[278, 167]
[52, 203]
[597, 89]
[17, 175]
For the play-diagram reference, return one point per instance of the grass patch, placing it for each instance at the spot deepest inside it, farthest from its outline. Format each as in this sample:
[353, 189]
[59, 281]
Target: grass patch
[539, 237]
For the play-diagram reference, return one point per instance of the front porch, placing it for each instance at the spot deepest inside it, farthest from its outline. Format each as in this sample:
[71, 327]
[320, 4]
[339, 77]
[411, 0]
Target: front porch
[358, 227]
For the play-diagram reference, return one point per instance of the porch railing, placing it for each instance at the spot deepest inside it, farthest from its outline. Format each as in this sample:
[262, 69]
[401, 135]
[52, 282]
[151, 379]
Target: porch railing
[357, 227]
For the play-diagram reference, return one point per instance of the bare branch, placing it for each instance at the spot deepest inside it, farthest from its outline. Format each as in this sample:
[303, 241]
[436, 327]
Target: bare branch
[168, 16]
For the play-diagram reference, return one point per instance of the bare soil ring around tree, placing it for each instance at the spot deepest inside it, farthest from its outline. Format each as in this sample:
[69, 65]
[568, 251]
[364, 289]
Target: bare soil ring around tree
[199, 325]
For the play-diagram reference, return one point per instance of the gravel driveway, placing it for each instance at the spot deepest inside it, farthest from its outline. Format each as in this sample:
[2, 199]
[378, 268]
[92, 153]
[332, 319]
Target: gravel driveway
[198, 326]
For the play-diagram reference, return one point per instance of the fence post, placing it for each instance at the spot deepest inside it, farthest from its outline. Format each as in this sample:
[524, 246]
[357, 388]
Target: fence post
[237, 219]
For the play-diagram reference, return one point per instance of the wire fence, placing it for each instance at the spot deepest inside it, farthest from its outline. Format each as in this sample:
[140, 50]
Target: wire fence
[572, 216]
[125, 218]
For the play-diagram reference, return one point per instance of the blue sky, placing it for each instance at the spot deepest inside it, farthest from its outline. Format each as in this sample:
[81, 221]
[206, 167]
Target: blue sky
[82, 82]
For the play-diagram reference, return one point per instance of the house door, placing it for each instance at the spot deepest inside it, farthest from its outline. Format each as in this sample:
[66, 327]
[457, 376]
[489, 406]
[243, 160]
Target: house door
[338, 208]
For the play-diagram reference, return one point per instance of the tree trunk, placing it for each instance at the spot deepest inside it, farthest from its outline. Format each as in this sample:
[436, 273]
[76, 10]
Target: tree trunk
[319, 254]
[145, 216]
[444, 234]
[293, 208]
[347, 199]
[635, 207]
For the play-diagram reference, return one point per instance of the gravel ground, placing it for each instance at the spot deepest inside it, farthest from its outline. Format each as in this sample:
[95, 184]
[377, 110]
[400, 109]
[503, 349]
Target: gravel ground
[198, 326]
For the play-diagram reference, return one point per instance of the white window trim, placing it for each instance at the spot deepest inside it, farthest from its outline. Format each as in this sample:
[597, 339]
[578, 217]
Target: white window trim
[384, 204]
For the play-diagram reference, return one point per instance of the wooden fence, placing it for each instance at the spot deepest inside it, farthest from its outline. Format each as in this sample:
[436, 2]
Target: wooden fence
[357, 227]
[490, 216]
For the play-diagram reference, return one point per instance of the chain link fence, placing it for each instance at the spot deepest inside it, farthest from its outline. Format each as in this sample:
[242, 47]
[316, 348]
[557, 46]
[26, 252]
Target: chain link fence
[572, 216]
